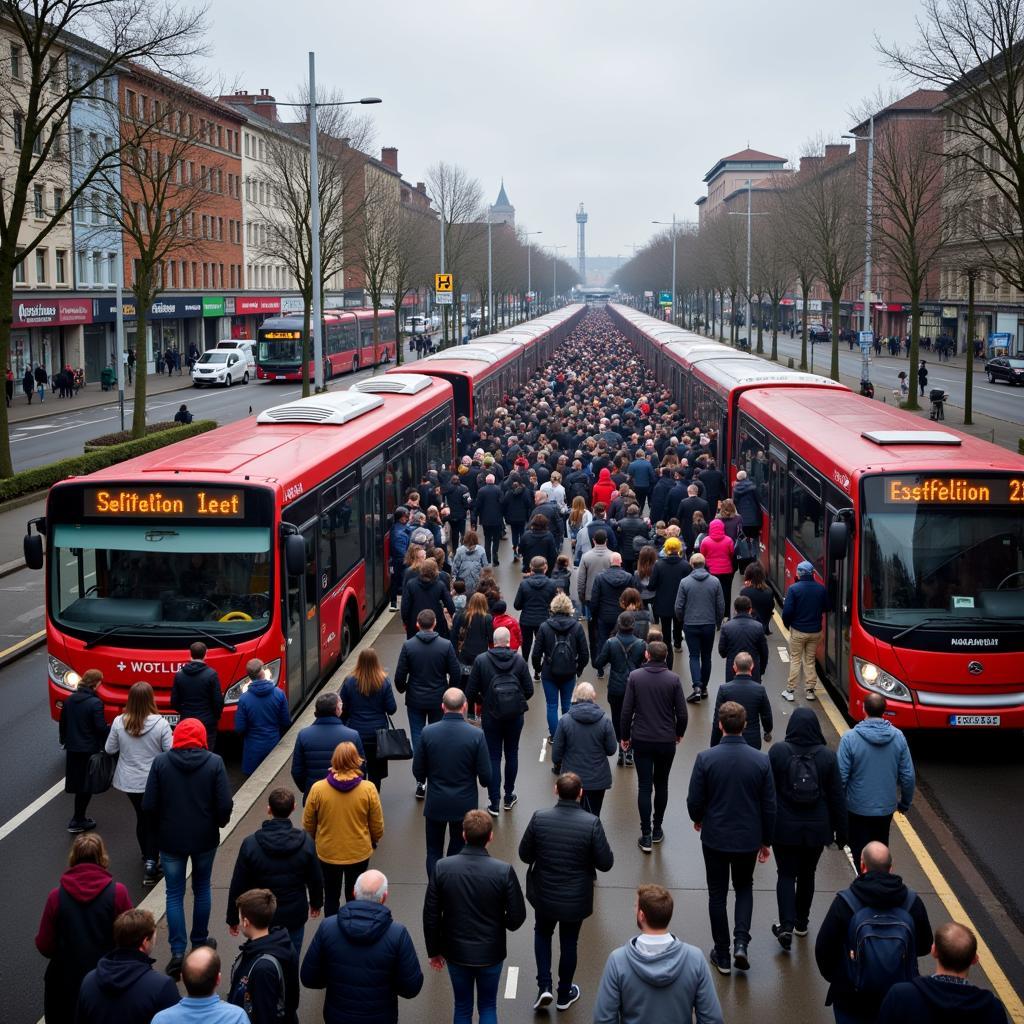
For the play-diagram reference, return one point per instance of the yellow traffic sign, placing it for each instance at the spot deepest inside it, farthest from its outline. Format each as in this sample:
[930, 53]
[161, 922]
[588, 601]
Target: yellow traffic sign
[442, 282]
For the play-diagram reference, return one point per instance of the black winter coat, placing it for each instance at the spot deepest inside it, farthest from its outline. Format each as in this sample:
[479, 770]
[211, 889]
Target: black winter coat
[564, 846]
[472, 901]
[659, 497]
[452, 756]
[82, 728]
[544, 645]
[196, 693]
[753, 697]
[666, 576]
[653, 706]
[584, 740]
[748, 505]
[533, 599]
[549, 510]
[458, 499]
[743, 633]
[517, 504]
[473, 637]
[539, 542]
[622, 652]
[190, 799]
[124, 987]
[418, 595]
[490, 664]
[427, 666]
[487, 508]
[314, 748]
[282, 859]
[366, 960]
[263, 985]
[627, 531]
[608, 588]
[764, 605]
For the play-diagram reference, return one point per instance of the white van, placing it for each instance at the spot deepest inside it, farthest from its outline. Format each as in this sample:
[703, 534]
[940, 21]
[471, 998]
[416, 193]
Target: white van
[224, 366]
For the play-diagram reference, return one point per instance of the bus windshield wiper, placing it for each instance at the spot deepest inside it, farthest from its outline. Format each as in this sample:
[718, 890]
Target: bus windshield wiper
[121, 627]
[952, 621]
[126, 627]
[212, 637]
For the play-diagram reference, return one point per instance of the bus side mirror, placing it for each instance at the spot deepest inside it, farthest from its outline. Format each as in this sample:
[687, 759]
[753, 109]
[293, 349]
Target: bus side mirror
[33, 550]
[838, 541]
[294, 555]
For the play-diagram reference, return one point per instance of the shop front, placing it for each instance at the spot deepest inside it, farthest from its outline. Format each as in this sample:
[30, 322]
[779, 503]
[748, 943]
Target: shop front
[249, 312]
[174, 323]
[47, 331]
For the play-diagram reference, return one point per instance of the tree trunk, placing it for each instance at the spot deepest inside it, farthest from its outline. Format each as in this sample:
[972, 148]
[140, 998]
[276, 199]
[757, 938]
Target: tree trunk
[915, 328]
[721, 315]
[306, 340]
[760, 327]
[969, 371]
[6, 307]
[775, 329]
[141, 365]
[834, 368]
[803, 335]
[376, 330]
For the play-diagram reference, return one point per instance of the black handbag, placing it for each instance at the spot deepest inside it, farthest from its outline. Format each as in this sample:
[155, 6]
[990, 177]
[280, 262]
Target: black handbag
[393, 744]
[744, 551]
[100, 774]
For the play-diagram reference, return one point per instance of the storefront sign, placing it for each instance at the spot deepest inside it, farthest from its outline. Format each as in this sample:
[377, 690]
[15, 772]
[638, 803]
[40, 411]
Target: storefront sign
[292, 304]
[213, 305]
[32, 312]
[949, 312]
[172, 307]
[260, 304]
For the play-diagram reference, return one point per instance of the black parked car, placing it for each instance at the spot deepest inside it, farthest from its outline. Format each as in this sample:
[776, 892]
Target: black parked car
[1007, 368]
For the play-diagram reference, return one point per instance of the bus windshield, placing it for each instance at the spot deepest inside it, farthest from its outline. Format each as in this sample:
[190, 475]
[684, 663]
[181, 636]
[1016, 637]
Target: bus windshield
[936, 547]
[161, 577]
[279, 351]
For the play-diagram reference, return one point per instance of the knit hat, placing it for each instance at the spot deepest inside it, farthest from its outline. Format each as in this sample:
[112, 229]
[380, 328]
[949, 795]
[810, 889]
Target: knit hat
[673, 545]
[189, 734]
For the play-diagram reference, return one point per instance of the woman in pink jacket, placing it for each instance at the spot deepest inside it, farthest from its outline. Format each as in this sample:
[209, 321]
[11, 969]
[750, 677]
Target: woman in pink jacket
[719, 553]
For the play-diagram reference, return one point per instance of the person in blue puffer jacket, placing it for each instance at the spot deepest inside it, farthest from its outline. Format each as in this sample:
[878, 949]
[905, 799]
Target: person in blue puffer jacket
[261, 718]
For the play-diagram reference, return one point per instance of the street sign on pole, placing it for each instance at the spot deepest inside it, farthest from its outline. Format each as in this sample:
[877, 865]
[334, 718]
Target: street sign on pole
[443, 282]
[648, 295]
[665, 298]
[866, 339]
[442, 298]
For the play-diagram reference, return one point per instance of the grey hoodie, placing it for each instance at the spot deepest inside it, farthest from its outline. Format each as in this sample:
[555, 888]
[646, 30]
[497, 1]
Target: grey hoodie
[699, 599]
[670, 985]
[137, 753]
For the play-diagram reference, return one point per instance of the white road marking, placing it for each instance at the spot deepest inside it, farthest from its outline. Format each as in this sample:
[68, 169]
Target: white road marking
[38, 804]
[511, 982]
[783, 654]
[543, 750]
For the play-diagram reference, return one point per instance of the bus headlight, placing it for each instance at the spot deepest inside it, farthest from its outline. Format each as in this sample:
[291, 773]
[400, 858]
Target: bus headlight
[63, 675]
[871, 677]
[270, 671]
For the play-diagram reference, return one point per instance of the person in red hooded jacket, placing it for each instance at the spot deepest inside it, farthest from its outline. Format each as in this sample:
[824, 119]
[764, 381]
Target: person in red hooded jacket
[719, 555]
[77, 926]
[604, 488]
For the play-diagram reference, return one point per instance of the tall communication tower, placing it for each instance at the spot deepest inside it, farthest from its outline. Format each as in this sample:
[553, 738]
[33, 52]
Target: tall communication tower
[581, 244]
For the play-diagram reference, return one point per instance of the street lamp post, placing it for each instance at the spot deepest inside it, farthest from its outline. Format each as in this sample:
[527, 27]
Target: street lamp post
[529, 251]
[865, 354]
[554, 273]
[121, 366]
[490, 278]
[750, 215]
[665, 224]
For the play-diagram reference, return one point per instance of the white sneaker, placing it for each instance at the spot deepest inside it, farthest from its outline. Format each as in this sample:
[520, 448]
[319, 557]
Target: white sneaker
[788, 695]
[811, 695]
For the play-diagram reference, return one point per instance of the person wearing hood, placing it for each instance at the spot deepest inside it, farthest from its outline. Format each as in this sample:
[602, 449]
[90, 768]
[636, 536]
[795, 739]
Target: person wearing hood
[424, 589]
[77, 925]
[655, 976]
[748, 505]
[196, 693]
[806, 602]
[539, 542]
[669, 571]
[604, 488]
[880, 889]
[189, 798]
[458, 499]
[719, 553]
[123, 986]
[622, 652]
[344, 816]
[947, 997]
[364, 959]
[261, 718]
[533, 598]
[605, 594]
[82, 732]
[700, 606]
[811, 814]
[878, 775]
[517, 507]
[500, 681]
[284, 860]
[560, 655]
[265, 974]
[137, 736]
[315, 745]
[469, 562]
[584, 740]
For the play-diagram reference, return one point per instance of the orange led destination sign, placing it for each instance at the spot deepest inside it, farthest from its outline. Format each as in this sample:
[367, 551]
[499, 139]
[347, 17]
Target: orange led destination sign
[945, 490]
[278, 335]
[176, 503]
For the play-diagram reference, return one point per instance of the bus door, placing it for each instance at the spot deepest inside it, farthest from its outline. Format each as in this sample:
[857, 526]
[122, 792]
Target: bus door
[777, 518]
[373, 539]
[303, 635]
[837, 618]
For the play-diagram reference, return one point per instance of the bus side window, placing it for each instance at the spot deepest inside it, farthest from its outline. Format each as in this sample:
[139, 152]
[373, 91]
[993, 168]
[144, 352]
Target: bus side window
[340, 545]
[806, 526]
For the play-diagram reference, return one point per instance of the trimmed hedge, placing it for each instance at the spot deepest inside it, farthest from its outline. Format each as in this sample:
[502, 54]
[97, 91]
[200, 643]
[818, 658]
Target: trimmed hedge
[124, 436]
[43, 477]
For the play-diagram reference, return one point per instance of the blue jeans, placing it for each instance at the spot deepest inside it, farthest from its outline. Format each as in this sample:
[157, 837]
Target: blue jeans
[417, 720]
[502, 734]
[552, 692]
[700, 643]
[486, 980]
[297, 935]
[174, 876]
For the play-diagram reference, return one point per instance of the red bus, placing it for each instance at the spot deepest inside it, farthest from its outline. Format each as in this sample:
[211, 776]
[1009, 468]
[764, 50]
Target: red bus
[265, 538]
[347, 341]
[918, 534]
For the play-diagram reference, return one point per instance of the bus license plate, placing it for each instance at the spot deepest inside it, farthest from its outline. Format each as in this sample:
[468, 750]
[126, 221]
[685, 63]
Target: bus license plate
[172, 720]
[280, 376]
[983, 720]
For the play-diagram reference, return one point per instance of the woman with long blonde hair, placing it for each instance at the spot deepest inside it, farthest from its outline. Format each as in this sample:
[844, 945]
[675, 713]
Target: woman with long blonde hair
[366, 701]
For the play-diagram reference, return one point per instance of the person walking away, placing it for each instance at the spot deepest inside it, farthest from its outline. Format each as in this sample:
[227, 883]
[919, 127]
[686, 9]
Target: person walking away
[584, 740]
[560, 655]
[426, 590]
[922, 377]
[593, 563]
[603, 490]
[539, 542]
[200, 974]
[28, 384]
[472, 632]
[748, 505]
[604, 597]
[398, 546]
[634, 533]
[700, 606]
[500, 683]
[806, 602]
[457, 497]
[261, 718]
[652, 724]
[77, 925]
[197, 693]
[42, 379]
[189, 798]
[732, 805]
[745, 690]
[472, 901]
[719, 553]
[502, 620]
[878, 775]
[136, 737]
[9, 385]
[871, 939]
[364, 959]
[757, 591]
[82, 731]
[948, 994]
[622, 653]
[284, 860]
[487, 509]
[564, 848]
[469, 562]
[655, 976]
[450, 760]
[743, 634]
[533, 598]
[123, 986]
[265, 974]
[668, 572]
[315, 745]
[811, 814]
[367, 699]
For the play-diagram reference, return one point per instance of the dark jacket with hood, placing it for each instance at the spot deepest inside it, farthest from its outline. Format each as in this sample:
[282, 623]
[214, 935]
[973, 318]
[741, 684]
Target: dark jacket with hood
[667, 574]
[427, 666]
[262, 717]
[940, 1000]
[314, 748]
[550, 511]
[879, 889]
[419, 595]
[196, 693]
[622, 653]
[533, 598]
[457, 497]
[628, 530]
[282, 859]
[487, 666]
[659, 497]
[124, 987]
[365, 960]
[548, 635]
[608, 588]
[584, 740]
[517, 503]
[262, 991]
[801, 824]
[539, 542]
[744, 494]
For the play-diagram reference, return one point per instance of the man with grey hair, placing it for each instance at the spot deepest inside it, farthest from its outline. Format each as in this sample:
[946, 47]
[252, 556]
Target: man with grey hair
[500, 683]
[363, 957]
[487, 512]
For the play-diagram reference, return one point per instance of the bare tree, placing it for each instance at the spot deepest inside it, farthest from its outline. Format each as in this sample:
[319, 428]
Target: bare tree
[796, 242]
[773, 269]
[415, 258]
[376, 228]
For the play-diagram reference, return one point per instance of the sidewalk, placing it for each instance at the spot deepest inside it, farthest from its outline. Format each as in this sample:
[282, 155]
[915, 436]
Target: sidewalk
[89, 397]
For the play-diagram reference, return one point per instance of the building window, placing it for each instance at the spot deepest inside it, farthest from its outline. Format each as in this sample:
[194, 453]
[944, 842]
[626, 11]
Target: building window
[247, 143]
[61, 266]
[41, 266]
[130, 102]
[81, 263]
[18, 124]
[15, 61]
[38, 203]
[19, 270]
[58, 199]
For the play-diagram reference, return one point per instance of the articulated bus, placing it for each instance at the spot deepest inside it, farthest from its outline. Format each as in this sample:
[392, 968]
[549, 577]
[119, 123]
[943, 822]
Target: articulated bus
[347, 341]
[265, 538]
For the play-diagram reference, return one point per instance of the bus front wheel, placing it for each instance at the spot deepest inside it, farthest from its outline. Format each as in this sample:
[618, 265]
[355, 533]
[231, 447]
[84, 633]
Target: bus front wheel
[349, 634]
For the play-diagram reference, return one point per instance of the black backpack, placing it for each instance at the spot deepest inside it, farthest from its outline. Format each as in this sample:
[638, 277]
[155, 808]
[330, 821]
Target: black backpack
[562, 661]
[242, 992]
[504, 697]
[802, 783]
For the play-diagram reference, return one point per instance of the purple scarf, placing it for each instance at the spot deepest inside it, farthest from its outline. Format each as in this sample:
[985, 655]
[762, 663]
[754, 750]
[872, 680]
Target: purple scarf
[343, 785]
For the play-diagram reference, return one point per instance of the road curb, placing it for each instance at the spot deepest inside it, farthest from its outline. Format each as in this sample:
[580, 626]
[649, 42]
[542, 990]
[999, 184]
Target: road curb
[22, 648]
[110, 398]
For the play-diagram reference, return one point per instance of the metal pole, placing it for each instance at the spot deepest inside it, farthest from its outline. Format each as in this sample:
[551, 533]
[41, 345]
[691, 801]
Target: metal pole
[444, 309]
[554, 280]
[529, 277]
[120, 369]
[490, 279]
[316, 320]
[865, 357]
[749, 220]
[673, 268]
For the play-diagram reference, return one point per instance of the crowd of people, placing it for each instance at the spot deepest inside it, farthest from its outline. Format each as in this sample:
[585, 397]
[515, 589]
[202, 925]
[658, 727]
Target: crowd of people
[628, 538]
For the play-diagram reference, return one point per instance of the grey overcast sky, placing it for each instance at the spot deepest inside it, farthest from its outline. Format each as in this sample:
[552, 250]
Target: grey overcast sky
[621, 104]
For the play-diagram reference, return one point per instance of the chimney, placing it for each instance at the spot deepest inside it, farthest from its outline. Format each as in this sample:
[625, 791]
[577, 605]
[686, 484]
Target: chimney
[421, 186]
[389, 157]
[836, 151]
[810, 164]
[264, 105]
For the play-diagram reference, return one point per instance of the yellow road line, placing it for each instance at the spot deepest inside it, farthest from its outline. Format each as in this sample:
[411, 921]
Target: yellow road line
[22, 643]
[986, 959]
